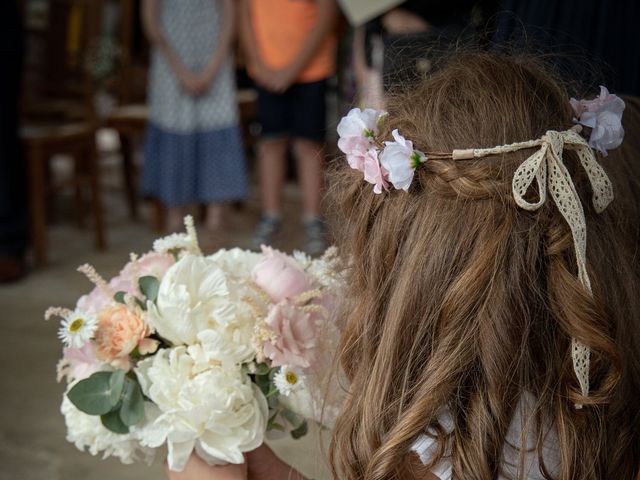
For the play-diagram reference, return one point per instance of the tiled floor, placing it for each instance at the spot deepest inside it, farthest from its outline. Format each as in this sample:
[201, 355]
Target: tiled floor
[32, 443]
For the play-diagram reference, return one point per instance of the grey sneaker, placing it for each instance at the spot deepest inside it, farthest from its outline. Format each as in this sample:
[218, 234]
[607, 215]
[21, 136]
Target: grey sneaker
[316, 233]
[266, 230]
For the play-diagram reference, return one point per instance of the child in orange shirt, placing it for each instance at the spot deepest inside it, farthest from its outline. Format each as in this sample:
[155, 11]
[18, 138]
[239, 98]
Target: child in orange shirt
[290, 47]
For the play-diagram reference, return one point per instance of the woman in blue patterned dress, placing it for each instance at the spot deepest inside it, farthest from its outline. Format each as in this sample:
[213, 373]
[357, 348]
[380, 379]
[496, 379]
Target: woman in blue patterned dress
[193, 148]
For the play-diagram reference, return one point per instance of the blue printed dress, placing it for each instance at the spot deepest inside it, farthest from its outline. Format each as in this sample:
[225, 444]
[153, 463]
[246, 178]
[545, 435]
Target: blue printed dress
[193, 146]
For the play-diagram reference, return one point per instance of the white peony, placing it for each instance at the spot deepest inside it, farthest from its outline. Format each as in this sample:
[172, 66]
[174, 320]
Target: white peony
[88, 433]
[215, 410]
[198, 302]
[236, 262]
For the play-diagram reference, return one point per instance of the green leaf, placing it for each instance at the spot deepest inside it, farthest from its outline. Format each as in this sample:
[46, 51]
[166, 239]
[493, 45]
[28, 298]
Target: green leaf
[132, 409]
[112, 422]
[149, 286]
[93, 395]
[272, 391]
[116, 383]
[301, 431]
[119, 297]
[273, 425]
[263, 382]
[262, 369]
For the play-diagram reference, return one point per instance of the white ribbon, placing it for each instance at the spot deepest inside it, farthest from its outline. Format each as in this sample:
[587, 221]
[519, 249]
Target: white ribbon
[547, 169]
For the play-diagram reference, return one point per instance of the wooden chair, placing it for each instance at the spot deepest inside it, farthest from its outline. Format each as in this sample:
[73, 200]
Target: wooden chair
[129, 117]
[58, 118]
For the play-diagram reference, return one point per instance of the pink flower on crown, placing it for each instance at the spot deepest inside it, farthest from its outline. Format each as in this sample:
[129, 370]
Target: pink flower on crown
[357, 130]
[603, 115]
[375, 173]
[401, 160]
[295, 339]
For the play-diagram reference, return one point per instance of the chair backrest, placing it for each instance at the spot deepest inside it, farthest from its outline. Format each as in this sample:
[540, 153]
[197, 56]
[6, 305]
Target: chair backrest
[57, 83]
[130, 80]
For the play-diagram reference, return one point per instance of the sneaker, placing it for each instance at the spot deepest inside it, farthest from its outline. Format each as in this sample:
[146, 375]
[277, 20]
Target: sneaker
[266, 231]
[316, 233]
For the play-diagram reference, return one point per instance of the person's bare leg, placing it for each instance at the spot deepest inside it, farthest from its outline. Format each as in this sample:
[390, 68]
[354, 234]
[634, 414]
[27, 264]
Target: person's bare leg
[308, 154]
[175, 217]
[272, 155]
[213, 220]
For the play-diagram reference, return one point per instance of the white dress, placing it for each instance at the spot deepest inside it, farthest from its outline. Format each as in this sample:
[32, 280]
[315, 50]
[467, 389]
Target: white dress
[426, 446]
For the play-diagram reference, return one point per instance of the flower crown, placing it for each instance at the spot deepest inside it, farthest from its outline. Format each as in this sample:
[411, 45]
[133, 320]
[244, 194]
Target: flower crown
[394, 162]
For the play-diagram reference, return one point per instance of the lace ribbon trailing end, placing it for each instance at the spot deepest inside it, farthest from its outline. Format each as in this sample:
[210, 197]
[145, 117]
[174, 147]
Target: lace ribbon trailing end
[547, 169]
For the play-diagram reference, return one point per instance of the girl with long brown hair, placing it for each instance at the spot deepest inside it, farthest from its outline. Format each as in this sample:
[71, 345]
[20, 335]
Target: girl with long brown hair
[484, 336]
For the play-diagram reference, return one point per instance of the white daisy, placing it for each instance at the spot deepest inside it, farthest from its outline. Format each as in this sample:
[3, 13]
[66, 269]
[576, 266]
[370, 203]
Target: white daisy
[287, 380]
[77, 329]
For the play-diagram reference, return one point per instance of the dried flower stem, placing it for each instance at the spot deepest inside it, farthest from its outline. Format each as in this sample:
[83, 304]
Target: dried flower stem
[57, 312]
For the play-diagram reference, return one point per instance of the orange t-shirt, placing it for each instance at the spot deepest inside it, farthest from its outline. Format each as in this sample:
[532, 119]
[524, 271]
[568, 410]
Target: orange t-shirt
[281, 27]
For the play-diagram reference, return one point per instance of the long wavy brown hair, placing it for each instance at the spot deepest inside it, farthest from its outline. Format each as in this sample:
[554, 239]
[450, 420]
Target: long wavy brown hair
[457, 298]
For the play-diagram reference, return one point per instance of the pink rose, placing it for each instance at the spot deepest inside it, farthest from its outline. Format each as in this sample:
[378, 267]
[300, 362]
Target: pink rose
[78, 363]
[296, 338]
[119, 332]
[375, 173]
[94, 301]
[153, 263]
[603, 115]
[150, 264]
[280, 276]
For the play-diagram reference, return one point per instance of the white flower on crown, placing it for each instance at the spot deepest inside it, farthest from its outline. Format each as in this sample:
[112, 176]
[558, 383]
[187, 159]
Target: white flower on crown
[357, 131]
[198, 303]
[400, 161]
[212, 409]
[86, 432]
[603, 115]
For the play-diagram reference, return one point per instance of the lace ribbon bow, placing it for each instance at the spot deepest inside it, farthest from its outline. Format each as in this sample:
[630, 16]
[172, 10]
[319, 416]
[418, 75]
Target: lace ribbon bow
[547, 169]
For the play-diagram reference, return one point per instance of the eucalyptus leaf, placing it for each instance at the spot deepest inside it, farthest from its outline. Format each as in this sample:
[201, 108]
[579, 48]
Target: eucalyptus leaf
[292, 418]
[262, 369]
[93, 395]
[119, 297]
[112, 422]
[263, 382]
[149, 286]
[272, 391]
[301, 431]
[116, 383]
[132, 409]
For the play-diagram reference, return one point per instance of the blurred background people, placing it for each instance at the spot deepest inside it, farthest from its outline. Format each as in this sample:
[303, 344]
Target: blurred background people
[193, 151]
[290, 51]
[13, 206]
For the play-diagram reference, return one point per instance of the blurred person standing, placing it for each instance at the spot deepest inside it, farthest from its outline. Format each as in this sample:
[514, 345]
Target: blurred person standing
[13, 201]
[193, 150]
[291, 49]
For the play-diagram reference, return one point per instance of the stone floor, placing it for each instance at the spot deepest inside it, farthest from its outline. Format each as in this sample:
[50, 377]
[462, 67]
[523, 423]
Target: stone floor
[32, 432]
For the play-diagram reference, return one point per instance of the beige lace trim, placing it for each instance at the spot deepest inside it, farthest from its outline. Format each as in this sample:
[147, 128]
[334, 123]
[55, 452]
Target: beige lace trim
[547, 169]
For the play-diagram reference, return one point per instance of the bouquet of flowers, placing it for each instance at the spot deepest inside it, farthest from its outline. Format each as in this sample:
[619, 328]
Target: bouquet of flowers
[199, 353]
